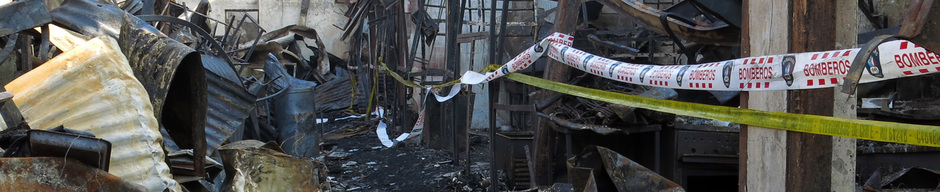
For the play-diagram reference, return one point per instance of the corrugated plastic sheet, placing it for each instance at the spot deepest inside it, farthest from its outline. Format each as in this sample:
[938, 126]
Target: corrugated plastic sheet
[93, 88]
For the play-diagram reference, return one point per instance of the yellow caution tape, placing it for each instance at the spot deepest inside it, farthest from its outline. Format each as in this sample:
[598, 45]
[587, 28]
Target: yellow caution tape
[415, 85]
[823, 125]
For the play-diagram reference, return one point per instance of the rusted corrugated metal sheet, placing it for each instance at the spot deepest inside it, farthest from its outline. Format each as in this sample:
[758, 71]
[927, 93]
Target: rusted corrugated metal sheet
[170, 72]
[251, 165]
[229, 101]
[58, 174]
[92, 88]
[155, 58]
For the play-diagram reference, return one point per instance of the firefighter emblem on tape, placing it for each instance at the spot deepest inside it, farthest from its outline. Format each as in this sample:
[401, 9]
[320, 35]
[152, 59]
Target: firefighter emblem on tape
[643, 72]
[538, 48]
[562, 53]
[726, 73]
[874, 64]
[584, 63]
[610, 70]
[789, 62]
[681, 74]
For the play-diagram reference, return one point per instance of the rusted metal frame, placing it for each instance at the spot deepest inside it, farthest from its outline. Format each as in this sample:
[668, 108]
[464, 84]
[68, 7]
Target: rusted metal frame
[355, 21]
[235, 34]
[225, 36]
[219, 53]
[254, 43]
[382, 35]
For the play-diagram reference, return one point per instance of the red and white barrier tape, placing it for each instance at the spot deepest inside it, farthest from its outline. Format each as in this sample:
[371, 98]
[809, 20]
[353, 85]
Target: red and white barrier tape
[808, 70]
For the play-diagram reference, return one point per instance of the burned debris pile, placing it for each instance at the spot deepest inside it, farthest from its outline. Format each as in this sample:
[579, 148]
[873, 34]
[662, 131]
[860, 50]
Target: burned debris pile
[139, 99]
[158, 95]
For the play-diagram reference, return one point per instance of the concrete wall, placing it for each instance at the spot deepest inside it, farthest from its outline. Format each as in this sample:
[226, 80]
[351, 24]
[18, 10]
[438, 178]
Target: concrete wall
[322, 15]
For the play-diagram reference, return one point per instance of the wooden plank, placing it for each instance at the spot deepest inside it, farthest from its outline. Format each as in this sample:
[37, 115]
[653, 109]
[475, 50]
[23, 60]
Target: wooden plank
[843, 149]
[470, 37]
[566, 21]
[764, 150]
[809, 156]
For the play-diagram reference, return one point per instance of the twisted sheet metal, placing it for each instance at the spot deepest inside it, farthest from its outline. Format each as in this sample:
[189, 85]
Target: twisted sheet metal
[251, 165]
[154, 57]
[229, 102]
[170, 72]
[628, 175]
[92, 88]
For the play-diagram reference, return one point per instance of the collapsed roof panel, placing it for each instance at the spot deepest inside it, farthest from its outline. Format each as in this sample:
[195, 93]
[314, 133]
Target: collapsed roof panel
[92, 88]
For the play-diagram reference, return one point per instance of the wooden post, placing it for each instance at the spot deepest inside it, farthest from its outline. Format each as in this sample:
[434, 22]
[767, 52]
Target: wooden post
[813, 162]
[566, 21]
[810, 156]
[763, 151]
